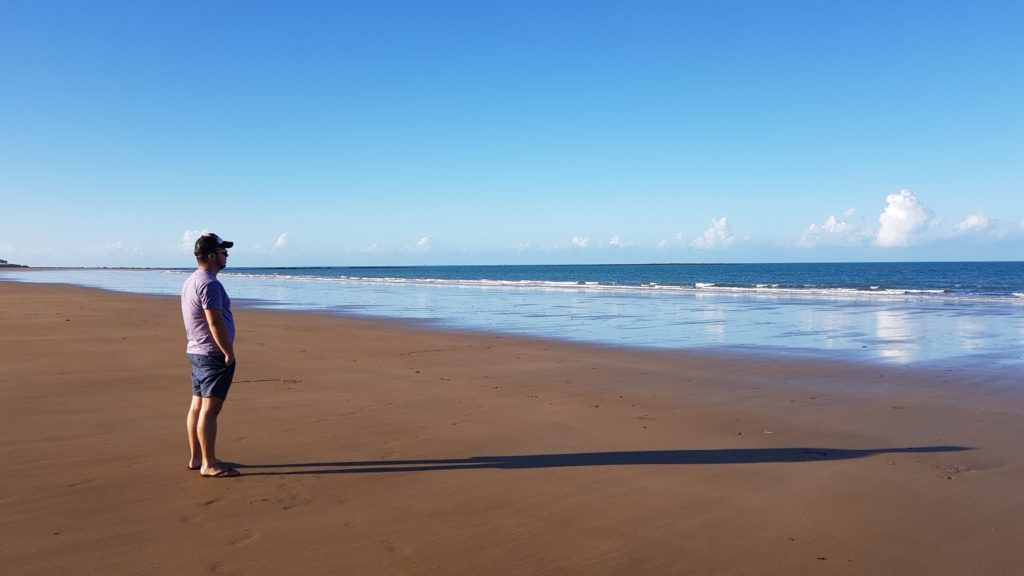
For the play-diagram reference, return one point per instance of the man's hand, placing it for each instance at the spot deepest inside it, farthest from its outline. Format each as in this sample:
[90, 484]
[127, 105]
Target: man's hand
[219, 330]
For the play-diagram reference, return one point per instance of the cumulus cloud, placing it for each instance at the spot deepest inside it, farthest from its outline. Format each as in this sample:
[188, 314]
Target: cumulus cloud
[835, 232]
[7, 249]
[972, 223]
[580, 241]
[111, 249]
[619, 242]
[904, 220]
[188, 239]
[424, 244]
[978, 226]
[718, 235]
[679, 238]
[283, 240]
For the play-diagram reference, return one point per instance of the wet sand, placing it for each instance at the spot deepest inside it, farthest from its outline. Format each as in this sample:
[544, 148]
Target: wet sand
[378, 447]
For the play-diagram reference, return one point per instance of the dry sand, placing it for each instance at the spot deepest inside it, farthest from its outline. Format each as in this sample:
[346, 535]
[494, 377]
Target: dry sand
[375, 447]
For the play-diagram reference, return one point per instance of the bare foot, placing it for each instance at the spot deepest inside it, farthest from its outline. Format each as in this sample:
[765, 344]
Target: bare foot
[195, 464]
[219, 472]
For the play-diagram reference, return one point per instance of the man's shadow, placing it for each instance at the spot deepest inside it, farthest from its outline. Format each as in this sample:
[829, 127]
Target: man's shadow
[636, 458]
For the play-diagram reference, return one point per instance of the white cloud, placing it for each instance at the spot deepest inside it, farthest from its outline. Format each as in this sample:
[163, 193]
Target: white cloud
[188, 240]
[580, 241]
[111, 249]
[972, 223]
[906, 221]
[423, 243]
[7, 249]
[835, 232]
[718, 235]
[282, 240]
[669, 242]
[903, 221]
[619, 242]
[978, 226]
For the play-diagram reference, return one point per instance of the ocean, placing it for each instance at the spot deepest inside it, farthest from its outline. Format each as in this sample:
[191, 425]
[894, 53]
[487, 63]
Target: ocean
[954, 315]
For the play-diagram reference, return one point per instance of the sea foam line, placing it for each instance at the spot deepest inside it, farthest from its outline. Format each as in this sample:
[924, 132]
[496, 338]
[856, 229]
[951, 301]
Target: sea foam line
[874, 293]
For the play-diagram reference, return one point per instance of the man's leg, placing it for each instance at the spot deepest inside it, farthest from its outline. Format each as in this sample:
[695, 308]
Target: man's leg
[195, 461]
[207, 432]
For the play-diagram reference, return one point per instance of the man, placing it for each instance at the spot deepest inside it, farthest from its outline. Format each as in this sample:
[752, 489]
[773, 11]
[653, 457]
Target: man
[210, 328]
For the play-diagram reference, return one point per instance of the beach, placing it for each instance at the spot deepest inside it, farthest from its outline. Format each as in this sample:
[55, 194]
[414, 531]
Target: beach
[376, 446]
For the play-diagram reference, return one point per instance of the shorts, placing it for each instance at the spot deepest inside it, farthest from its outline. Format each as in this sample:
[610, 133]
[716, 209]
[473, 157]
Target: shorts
[211, 376]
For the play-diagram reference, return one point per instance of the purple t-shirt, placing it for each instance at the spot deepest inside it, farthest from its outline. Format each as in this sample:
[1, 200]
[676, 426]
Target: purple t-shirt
[202, 291]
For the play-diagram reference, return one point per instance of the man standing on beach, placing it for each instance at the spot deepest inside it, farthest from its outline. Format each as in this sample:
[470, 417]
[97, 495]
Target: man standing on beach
[210, 328]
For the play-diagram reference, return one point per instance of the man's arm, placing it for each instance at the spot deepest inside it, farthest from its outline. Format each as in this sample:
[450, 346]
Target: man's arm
[215, 320]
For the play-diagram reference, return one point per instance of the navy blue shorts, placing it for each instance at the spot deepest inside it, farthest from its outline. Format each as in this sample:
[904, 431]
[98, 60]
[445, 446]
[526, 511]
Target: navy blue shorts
[211, 376]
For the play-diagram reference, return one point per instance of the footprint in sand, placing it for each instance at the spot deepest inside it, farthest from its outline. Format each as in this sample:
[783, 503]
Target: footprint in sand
[291, 499]
[246, 537]
[221, 567]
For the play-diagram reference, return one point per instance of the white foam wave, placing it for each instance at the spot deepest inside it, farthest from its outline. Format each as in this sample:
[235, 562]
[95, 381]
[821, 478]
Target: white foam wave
[698, 288]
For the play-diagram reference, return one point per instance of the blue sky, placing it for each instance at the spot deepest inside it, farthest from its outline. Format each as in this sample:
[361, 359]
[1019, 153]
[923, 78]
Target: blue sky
[386, 132]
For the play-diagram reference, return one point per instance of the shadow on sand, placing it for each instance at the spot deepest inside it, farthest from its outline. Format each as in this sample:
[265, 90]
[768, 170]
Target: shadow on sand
[638, 458]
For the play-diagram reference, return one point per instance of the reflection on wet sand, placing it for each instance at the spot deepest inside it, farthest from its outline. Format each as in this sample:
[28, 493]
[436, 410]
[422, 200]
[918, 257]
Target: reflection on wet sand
[894, 331]
[970, 332]
[713, 324]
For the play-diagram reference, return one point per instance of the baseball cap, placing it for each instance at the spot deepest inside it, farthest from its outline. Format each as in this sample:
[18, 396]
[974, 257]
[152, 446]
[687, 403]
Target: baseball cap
[210, 242]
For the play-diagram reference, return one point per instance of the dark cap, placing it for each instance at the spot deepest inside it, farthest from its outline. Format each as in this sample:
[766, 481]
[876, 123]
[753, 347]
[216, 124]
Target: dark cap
[209, 243]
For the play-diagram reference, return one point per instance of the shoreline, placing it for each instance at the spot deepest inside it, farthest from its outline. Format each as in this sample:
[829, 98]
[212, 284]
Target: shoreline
[926, 335]
[375, 446]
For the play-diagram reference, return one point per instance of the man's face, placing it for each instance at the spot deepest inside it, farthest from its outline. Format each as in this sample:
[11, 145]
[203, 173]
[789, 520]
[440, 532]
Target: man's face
[218, 260]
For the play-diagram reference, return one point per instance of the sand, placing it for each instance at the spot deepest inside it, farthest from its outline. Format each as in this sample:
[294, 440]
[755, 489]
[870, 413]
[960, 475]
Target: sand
[377, 447]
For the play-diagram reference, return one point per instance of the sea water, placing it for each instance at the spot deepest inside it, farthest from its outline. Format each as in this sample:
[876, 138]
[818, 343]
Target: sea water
[968, 315]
